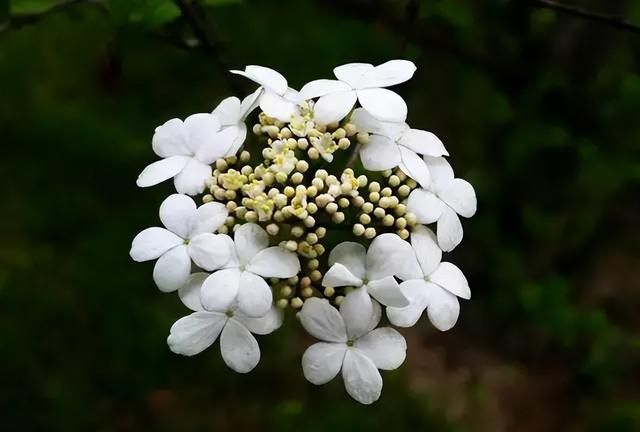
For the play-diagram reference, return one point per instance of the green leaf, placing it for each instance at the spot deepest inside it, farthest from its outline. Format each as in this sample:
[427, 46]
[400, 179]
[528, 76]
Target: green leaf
[220, 2]
[27, 7]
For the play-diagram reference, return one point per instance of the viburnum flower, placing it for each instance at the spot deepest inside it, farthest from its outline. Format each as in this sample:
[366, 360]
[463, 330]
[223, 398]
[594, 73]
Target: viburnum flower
[432, 285]
[188, 149]
[443, 201]
[362, 82]
[189, 236]
[277, 99]
[250, 260]
[194, 333]
[319, 211]
[396, 144]
[359, 351]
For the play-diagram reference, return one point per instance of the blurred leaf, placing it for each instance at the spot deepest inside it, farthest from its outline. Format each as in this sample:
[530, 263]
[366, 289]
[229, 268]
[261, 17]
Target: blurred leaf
[147, 14]
[220, 2]
[25, 7]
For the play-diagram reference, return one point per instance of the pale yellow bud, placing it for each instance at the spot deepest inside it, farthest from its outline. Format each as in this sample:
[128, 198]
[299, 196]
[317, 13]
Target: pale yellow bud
[404, 191]
[257, 129]
[297, 231]
[313, 264]
[315, 275]
[374, 186]
[370, 233]
[401, 223]
[296, 302]
[321, 232]
[302, 166]
[229, 221]
[289, 192]
[230, 195]
[273, 229]
[281, 177]
[282, 303]
[305, 282]
[339, 133]
[379, 212]
[338, 300]
[394, 181]
[387, 173]
[303, 144]
[357, 201]
[344, 143]
[223, 230]
[362, 137]
[297, 178]
[280, 200]
[403, 233]
[285, 133]
[411, 219]
[291, 245]
[367, 207]
[232, 160]
[318, 183]
[338, 217]
[358, 229]
[350, 129]
[312, 208]
[272, 131]
[384, 202]
[401, 175]
[365, 219]
[319, 248]
[388, 220]
[307, 292]
[231, 206]
[374, 197]
[394, 201]
[251, 216]
[329, 291]
[286, 291]
[221, 165]
[313, 153]
[220, 194]
[386, 192]
[309, 222]
[207, 198]
[331, 208]
[412, 183]
[322, 174]
[268, 178]
[241, 211]
[278, 216]
[312, 191]
[343, 202]
[362, 181]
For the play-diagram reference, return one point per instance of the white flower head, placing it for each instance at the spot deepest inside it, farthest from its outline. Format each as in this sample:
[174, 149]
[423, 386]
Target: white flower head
[446, 198]
[325, 146]
[431, 285]
[232, 114]
[370, 271]
[283, 158]
[241, 280]
[392, 144]
[194, 333]
[362, 82]
[188, 236]
[188, 149]
[358, 351]
[276, 99]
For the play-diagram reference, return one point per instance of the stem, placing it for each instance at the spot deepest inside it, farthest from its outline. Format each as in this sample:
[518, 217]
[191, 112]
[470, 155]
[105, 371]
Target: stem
[614, 21]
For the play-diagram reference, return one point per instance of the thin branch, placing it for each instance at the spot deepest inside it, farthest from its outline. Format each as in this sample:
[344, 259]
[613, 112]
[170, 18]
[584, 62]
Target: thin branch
[208, 42]
[17, 21]
[614, 21]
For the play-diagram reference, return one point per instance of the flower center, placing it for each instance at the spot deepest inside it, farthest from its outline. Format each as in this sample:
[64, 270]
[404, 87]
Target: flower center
[229, 314]
[349, 343]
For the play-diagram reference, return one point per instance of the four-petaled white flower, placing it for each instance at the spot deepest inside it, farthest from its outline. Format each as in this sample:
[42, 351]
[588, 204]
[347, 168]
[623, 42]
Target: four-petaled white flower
[189, 148]
[232, 114]
[189, 236]
[392, 144]
[194, 333]
[445, 199]
[371, 272]
[362, 82]
[358, 351]
[276, 99]
[433, 285]
[241, 280]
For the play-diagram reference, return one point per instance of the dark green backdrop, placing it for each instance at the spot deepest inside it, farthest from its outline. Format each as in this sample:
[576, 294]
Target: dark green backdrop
[540, 110]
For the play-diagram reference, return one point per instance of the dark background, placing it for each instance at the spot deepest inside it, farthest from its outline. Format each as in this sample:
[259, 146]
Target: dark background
[540, 111]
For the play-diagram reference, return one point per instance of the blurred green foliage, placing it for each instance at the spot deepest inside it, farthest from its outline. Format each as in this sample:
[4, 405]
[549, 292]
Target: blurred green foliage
[538, 110]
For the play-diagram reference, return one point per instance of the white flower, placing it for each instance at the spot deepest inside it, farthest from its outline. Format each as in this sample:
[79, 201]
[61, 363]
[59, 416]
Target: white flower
[196, 332]
[392, 144]
[371, 272]
[358, 352]
[277, 100]
[188, 148]
[446, 198]
[325, 145]
[283, 158]
[189, 237]
[232, 114]
[434, 285]
[242, 280]
[362, 82]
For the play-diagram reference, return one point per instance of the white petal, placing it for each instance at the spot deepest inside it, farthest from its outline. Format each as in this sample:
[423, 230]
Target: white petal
[352, 73]
[219, 146]
[440, 170]
[425, 205]
[189, 293]
[322, 361]
[250, 239]
[443, 308]
[240, 350]
[171, 139]
[191, 179]
[385, 347]
[228, 111]
[361, 377]
[254, 295]
[414, 167]
[387, 292]
[153, 242]
[177, 213]
[195, 333]
[422, 142]
[239, 139]
[333, 107]
[428, 252]
[220, 290]
[383, 104]
[380, 153]
[202, 128]
[389, 255]
[352, 255]
[417, 292]
[266, 77]
[263, 325]
[322, 321]
[361, 314]
[161, 170]
[451, 278]
[172, 269]
[209, 251]
[388, 74]
[275, 262]
[209, 217]
[338, 276]
[249, 103]
[367, 123]
[449, 229]
[322, 87]
[277, 106]
[460, 196]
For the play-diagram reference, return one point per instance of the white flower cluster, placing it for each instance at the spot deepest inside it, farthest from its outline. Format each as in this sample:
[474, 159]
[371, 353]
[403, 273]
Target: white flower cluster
[322, 175]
